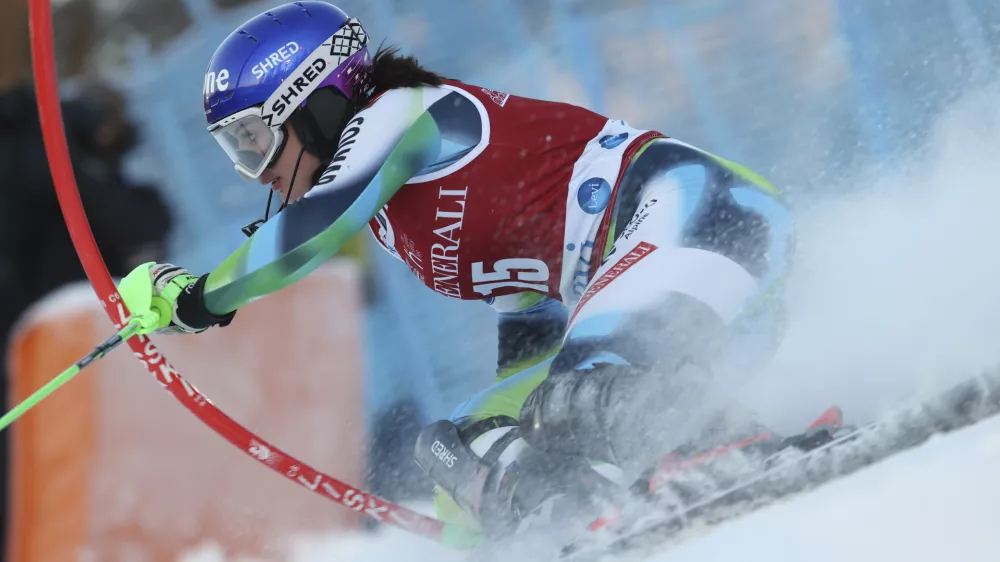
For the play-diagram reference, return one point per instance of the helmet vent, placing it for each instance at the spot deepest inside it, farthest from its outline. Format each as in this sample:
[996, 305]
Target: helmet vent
[249, 36]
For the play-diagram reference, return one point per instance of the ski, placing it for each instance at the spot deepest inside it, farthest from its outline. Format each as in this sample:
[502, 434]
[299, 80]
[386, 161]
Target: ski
[791, 472]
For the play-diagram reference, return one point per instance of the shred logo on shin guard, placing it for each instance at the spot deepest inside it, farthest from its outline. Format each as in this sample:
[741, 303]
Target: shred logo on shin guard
[641, 250]
[443, 454]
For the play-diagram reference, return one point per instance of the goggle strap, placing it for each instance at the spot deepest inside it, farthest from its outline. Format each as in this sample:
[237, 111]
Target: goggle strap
[291, 186]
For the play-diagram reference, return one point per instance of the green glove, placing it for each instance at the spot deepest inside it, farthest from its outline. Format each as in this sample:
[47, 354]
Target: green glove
[167, 299]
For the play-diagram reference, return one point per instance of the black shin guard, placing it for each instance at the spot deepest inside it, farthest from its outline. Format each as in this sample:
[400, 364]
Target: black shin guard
[507, 482]
[452, 464]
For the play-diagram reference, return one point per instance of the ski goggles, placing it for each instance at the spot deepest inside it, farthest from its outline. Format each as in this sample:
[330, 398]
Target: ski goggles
[249, 142]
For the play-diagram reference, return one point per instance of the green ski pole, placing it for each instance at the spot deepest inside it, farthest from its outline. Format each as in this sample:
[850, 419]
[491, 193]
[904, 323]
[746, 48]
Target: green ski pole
[100, 351]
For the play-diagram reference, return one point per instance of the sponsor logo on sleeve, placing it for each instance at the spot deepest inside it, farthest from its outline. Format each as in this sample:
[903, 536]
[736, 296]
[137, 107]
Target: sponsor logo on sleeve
[594, 195]
[613, 141]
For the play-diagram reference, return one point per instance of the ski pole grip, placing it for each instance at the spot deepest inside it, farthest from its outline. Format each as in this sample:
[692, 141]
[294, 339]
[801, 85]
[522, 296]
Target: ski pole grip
[152, 319]
[147, 321]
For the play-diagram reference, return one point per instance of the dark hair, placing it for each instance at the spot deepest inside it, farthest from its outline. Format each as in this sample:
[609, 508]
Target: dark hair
[389, 70]
[392, 70]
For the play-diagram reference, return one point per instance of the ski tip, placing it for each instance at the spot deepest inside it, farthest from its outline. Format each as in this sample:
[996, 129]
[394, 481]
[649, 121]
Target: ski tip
[832, 418]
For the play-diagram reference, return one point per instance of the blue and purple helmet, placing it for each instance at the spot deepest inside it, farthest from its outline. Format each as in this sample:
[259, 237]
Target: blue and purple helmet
[269, 66]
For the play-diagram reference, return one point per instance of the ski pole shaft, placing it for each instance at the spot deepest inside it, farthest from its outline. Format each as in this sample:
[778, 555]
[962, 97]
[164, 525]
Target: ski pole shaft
[64, 377]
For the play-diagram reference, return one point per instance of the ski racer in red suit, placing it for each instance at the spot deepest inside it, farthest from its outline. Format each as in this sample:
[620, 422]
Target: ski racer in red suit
[623, 264]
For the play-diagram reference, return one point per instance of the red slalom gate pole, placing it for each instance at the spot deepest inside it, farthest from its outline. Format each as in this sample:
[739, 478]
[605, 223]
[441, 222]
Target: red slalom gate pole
[50, 114]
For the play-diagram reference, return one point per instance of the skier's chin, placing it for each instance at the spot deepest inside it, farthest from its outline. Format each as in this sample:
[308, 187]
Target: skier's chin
[284, 193]
[281, 188]
[276, 186]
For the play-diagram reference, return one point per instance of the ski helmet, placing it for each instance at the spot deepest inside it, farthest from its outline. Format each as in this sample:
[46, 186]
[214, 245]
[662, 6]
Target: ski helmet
[265, 71]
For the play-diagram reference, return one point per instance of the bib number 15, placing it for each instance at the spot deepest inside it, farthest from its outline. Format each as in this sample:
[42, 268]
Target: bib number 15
[512, 273]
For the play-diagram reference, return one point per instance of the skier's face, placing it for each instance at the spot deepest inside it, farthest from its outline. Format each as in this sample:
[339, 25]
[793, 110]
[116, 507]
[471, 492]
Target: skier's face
[280, 174]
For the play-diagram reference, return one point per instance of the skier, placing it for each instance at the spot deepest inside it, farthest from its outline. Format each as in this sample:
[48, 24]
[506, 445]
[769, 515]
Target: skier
[625, 266]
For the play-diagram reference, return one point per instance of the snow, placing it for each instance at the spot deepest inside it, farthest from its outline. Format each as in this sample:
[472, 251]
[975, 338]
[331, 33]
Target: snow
[894, 292]
[388, 545]
[938, 502]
